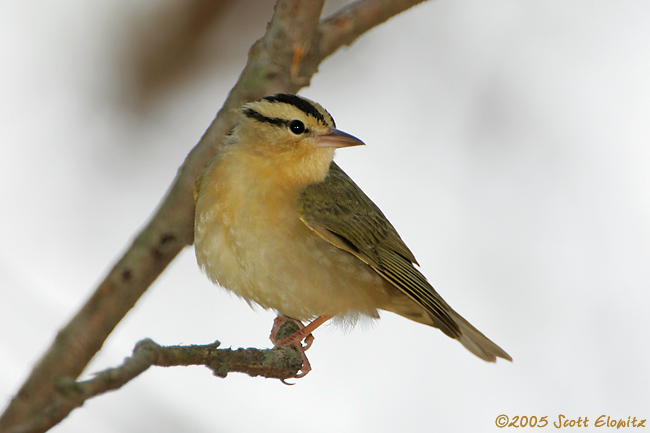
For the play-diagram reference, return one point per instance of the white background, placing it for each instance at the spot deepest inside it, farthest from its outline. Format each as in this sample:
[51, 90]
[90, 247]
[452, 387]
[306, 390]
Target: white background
[507, 143]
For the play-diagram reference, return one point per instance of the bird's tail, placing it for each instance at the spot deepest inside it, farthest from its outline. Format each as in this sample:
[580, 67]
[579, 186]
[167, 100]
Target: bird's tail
[476, 342]
[469, 336]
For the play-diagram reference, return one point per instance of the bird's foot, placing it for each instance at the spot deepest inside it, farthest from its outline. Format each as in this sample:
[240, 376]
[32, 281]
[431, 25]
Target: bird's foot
[279, 339]
[295, 340]
[283, 327]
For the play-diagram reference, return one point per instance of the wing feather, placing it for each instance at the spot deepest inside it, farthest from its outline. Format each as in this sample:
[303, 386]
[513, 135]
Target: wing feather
[341, 213]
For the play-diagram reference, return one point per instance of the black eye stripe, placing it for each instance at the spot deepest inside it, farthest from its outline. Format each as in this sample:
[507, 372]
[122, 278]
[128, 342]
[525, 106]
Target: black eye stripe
[252, 114]
[276, 121]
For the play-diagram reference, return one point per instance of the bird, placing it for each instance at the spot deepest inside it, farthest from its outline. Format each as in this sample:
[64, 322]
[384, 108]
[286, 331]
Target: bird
[281, 225]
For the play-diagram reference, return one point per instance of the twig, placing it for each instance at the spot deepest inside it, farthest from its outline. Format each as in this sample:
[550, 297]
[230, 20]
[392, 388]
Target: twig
[277, 363]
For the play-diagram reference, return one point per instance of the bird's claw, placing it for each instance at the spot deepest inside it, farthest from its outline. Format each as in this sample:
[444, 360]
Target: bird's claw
[293, 340]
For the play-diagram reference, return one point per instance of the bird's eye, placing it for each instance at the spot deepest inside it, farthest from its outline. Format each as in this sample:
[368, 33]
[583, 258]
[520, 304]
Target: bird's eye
[297, 127]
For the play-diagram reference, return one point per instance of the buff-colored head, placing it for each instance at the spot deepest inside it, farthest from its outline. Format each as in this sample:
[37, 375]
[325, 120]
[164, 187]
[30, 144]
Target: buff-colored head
[293, 133]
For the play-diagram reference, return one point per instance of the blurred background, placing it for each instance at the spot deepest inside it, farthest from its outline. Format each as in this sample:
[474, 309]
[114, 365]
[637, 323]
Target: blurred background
[507, 142]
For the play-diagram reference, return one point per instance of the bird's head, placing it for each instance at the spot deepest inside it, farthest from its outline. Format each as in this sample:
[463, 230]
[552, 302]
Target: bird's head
[293, 132]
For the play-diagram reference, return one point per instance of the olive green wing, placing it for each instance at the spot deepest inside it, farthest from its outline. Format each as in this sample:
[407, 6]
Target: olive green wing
[339, 212]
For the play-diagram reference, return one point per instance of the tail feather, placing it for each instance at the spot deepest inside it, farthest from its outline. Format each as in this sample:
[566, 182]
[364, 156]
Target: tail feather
[469, 336]
[476, 342]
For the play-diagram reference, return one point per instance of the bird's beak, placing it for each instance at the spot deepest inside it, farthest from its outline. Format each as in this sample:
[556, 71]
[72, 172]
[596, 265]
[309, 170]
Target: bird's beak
[335, 138]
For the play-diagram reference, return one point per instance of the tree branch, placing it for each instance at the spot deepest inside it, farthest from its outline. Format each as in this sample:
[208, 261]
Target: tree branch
[277, 363]
[348, 23]
[284, 60]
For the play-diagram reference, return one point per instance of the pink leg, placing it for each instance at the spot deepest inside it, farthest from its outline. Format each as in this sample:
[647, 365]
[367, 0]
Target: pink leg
[303, 334]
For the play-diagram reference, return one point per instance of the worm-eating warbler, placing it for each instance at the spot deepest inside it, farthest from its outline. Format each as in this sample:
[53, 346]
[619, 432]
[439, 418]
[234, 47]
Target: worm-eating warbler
[280, 224]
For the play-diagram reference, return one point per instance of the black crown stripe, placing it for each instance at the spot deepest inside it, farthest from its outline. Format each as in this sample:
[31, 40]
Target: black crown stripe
[301, 104]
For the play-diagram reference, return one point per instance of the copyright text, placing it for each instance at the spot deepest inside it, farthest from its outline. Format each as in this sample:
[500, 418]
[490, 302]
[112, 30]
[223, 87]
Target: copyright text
[562, 421]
